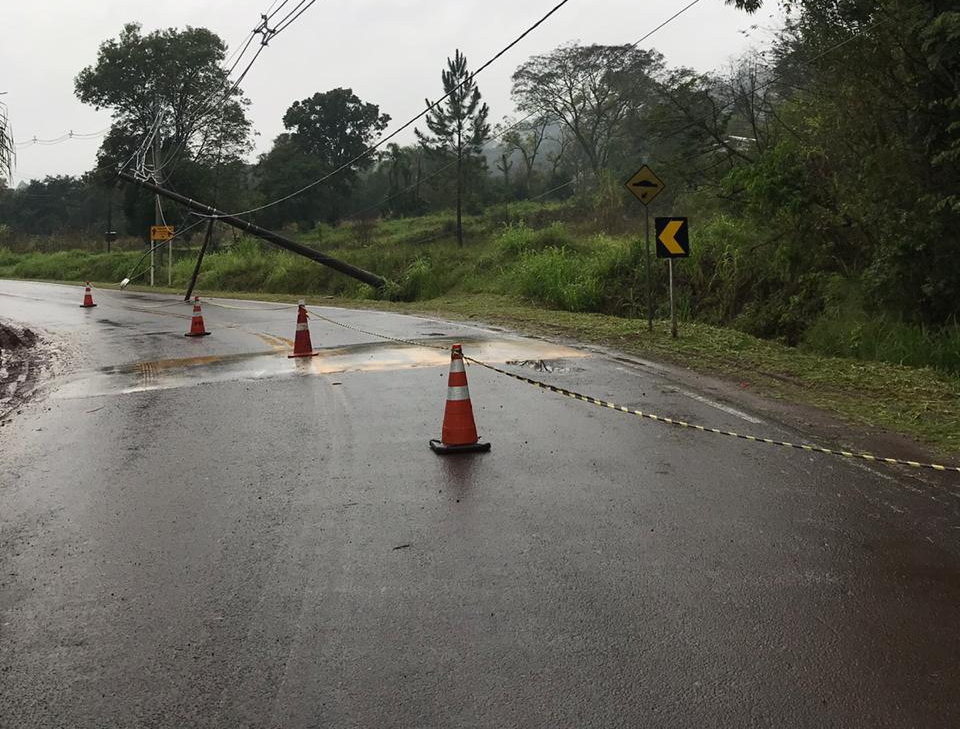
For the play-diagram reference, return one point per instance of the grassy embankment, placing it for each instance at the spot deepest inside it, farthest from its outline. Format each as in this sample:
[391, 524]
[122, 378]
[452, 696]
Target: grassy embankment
[553, 280]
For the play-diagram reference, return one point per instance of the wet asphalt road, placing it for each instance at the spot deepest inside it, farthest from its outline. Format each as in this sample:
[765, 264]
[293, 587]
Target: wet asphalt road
[203, 533]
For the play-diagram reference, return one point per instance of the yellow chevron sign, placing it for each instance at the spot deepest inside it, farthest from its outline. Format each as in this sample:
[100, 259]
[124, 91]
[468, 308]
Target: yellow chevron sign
[673, 238]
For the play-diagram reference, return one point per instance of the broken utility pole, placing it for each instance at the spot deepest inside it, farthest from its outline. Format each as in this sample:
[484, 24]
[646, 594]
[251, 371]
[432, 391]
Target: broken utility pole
[371, 279]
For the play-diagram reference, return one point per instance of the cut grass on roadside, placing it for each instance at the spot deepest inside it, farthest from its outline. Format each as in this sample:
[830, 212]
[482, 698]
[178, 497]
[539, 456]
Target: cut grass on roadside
[917, 402]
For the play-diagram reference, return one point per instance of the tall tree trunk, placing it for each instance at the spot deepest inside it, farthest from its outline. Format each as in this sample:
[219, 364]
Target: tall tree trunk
[416, 192]
[459, 190]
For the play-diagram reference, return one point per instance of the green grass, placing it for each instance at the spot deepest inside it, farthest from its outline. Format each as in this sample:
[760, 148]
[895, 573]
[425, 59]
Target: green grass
[561, 278]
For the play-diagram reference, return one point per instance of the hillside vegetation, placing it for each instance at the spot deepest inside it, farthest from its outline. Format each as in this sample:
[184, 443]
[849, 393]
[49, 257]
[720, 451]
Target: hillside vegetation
[554, 256]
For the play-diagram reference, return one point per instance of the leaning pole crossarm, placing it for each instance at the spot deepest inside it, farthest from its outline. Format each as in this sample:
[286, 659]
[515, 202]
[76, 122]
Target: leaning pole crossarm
[371, 279]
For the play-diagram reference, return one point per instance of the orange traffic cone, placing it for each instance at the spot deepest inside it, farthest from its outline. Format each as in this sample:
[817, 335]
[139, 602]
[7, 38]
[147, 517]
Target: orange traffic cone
[301, 342]
[196, 324]
[459, 434]
[87, 298]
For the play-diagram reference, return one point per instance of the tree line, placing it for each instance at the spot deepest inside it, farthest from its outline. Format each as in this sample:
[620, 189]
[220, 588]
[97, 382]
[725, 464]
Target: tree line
[834, 150]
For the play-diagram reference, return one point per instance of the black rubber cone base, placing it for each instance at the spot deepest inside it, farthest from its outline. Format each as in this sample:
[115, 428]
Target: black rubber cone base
[301, 356]
[442, 449]
[87, 306]
[201, 334]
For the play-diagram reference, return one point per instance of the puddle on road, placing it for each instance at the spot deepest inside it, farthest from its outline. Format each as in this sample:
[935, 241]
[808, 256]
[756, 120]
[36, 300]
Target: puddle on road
[370, 357]
[541, 365]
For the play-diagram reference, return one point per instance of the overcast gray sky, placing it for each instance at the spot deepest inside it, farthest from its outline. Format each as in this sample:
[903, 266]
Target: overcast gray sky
[389, 51]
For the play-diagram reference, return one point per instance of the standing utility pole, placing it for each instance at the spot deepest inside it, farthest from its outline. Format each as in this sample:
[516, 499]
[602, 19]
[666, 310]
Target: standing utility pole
[157, 213]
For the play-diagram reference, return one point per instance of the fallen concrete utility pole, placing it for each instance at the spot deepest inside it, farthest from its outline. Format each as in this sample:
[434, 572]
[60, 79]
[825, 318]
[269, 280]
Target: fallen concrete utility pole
[371, 279]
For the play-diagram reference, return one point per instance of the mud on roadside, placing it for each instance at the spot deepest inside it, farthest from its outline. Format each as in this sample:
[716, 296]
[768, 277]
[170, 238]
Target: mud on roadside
[25, 360]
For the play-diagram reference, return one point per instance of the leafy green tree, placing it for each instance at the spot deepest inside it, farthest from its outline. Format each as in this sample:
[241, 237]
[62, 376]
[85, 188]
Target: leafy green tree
[526, 140]
[858, 166]
[335, 127]
[284, 171]
[174, 80]
[404, 167]
[325, 132]
[56, 205]
[590, 90]
[174, 108]
[459, 125]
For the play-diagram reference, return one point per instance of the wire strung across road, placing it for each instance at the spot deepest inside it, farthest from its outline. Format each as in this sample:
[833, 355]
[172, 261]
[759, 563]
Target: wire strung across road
[518, 123]
[651, 416]
[606, 404]
[383, 140]
[196, 116]
[727, 105]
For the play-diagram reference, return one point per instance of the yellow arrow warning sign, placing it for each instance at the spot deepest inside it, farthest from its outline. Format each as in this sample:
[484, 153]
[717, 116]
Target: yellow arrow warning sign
[673, 238]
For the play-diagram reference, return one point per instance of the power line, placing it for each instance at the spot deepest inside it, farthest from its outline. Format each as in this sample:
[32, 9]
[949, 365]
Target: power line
[411, 122]
[520, 121]
[284, 23]
[62, 138]
[726, 106]
[217, 97]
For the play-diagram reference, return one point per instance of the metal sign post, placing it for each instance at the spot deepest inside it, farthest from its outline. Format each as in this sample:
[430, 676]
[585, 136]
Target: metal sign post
[159, 234]
[646, 217]
[673, 308]
[673, 241]
[645, 186]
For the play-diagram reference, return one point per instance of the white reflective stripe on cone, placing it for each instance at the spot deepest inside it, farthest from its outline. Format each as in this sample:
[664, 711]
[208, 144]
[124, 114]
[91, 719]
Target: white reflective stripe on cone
[456, 365]
[302, 327]
[458, 393]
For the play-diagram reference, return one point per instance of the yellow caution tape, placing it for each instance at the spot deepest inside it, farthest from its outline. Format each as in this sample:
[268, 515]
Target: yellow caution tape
[412, 343]
[272, 307]
[716, 431]
[658, 418]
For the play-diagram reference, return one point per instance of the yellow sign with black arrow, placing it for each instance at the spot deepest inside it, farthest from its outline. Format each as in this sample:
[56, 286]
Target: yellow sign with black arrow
[673, 238]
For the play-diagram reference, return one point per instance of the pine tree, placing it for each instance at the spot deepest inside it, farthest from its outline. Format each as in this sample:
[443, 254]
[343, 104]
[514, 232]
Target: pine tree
[458, 123]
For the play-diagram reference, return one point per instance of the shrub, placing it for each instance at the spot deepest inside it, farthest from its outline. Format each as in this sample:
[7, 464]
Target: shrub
[559, 278]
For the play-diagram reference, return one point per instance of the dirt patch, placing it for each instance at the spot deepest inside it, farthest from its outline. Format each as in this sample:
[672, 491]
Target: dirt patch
[11, 338]
[22, 358]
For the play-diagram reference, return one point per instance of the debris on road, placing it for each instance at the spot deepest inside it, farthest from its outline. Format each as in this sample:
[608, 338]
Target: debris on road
[20, 364]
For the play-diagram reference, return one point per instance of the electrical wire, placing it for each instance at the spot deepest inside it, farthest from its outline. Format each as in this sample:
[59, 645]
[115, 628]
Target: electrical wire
[59, 140]
[726, 106]
[160, 244]
[211, 102]
[519, 122]
[282, 26]
[383, 140]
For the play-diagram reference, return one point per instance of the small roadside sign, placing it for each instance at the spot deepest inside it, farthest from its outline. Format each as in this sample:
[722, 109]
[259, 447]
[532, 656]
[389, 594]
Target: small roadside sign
[645, 185]
[160, 233]
[673, 237]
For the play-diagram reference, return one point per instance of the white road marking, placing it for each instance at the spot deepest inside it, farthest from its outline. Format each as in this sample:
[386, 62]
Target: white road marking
[720, 406]
[706, 401]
